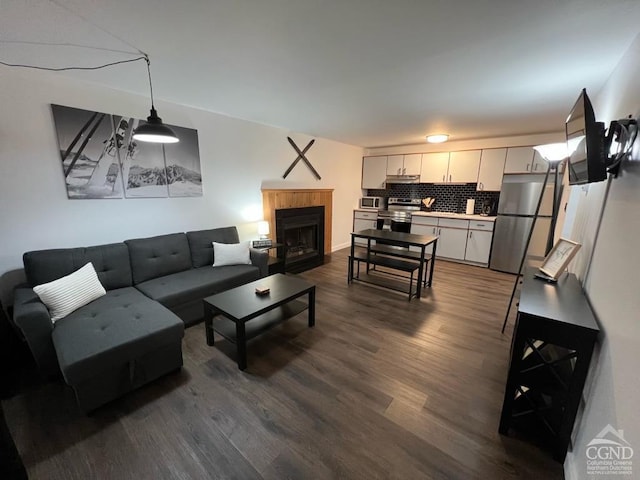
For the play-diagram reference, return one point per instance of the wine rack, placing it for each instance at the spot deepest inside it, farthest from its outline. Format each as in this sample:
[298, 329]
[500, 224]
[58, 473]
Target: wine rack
[551, 349]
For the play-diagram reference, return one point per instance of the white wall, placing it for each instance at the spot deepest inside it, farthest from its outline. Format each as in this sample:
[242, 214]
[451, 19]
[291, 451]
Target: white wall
[237, 158]
[611, 279]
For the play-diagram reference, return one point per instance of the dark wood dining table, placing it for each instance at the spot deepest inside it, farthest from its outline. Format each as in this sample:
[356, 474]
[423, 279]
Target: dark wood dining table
[397, 239]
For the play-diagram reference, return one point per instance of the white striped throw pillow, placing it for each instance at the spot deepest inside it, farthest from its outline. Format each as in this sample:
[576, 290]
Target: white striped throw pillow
[67, 294]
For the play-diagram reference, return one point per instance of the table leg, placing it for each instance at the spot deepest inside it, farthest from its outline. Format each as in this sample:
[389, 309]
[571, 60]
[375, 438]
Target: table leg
[433, 262]
[312, 306]
[208, 324]
[350, 268]
[420, 272]
[241, 345]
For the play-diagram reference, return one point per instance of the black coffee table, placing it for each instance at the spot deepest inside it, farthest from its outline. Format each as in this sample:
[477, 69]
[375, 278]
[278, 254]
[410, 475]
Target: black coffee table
[240, 314]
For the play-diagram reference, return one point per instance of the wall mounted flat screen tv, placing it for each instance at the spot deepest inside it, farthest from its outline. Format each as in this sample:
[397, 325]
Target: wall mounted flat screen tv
[588, 163]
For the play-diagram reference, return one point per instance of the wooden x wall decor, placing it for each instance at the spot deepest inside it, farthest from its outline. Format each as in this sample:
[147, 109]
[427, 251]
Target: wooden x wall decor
[301, 157]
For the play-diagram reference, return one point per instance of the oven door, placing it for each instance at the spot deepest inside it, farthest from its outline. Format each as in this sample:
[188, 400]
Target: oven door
[394, 225]
[400, 226]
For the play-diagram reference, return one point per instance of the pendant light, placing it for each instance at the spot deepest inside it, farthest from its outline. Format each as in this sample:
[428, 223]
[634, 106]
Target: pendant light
[154, 130]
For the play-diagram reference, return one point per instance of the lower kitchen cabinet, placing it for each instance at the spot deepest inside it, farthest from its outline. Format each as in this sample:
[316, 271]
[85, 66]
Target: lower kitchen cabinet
[478, 246]
[424, 226]
[363, 221]
[460, 240]
[479, 241]
[453, 238]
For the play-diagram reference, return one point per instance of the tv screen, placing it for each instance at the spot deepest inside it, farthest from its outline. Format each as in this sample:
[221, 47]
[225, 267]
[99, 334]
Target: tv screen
[587, 163]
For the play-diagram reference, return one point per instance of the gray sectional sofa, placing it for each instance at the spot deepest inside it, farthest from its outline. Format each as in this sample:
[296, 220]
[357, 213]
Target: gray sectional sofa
[133, 334]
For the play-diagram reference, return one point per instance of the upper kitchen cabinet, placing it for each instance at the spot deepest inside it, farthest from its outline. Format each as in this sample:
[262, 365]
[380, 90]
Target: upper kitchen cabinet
[404, 164]
[464, 166]
[434, 167]
[523, 160]
[374, 172]
[412, 164]
[491, 167]
[454, 167]
[540, 165]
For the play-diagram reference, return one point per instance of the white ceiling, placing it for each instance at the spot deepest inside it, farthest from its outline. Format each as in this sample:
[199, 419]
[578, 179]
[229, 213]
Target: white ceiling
[363, 72]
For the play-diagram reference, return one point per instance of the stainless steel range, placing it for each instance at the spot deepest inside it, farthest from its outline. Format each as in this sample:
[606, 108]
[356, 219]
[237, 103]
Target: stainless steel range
[397, 217]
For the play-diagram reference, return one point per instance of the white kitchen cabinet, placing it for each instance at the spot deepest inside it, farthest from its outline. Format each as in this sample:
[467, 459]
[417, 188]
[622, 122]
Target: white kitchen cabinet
[450, 167]
[363, 221]
[404, 164]
[453, 238]
[479, 239]
[491, 167]
[395, 164]
[374, 172]
[540, 165]
[522, 160]
[463, 166]
[459, 240]
[424, 226]
[434, 167]
[412, 164]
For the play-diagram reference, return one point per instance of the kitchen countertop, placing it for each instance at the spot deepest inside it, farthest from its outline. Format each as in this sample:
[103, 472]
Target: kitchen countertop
[459, 216]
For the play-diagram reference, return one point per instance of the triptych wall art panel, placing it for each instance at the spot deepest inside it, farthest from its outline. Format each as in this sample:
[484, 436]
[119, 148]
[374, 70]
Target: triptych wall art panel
[100, 159]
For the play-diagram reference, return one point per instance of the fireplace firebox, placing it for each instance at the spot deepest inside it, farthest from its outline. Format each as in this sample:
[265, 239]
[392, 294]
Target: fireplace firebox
[301, 232]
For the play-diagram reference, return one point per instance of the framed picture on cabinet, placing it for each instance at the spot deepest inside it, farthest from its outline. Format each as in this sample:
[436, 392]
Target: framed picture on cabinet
[559, 257]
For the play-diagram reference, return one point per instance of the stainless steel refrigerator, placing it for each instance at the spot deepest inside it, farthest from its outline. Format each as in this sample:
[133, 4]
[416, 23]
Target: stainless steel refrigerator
[516, 209]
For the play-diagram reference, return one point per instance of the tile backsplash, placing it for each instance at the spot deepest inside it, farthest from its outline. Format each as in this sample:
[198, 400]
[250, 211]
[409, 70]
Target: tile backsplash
[449, 198]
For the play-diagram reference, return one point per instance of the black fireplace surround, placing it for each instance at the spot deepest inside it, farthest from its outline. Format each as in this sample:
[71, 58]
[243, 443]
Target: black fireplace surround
[301, 231]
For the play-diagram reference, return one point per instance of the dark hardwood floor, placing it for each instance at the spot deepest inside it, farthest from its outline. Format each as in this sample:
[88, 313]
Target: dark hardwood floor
[380, 388]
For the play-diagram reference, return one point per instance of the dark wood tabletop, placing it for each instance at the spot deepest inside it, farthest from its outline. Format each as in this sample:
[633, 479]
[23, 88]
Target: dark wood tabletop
[399, 238]
[243, 302]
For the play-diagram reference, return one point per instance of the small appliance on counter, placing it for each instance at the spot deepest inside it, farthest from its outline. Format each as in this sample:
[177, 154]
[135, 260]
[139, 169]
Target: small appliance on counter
[371, 203]
[488, 208]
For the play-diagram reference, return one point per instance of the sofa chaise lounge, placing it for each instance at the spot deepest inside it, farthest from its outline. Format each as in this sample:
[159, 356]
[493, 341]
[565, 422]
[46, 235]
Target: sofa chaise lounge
[133, 334]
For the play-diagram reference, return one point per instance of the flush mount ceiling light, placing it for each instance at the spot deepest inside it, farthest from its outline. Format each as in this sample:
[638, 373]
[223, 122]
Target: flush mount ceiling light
[154, 130]
[438, 138]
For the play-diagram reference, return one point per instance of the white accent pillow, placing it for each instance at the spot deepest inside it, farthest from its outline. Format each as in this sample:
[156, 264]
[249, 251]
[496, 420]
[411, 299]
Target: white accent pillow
[231, 254]
[67, 294]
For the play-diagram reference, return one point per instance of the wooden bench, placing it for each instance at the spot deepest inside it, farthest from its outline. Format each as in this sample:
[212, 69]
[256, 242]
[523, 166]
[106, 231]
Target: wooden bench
[388, 262]
[401, 252]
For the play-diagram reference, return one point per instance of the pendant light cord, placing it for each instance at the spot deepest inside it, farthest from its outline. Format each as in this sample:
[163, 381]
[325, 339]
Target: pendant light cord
[146, 58]
[62, 69]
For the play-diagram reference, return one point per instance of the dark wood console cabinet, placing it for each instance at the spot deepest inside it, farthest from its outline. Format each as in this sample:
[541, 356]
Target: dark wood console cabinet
[551, 349]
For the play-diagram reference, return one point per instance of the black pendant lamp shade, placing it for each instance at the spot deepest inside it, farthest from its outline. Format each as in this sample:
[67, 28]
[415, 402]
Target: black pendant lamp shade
[154, 130]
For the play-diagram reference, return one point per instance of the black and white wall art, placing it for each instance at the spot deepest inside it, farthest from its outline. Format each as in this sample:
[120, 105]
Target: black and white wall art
[100, 159]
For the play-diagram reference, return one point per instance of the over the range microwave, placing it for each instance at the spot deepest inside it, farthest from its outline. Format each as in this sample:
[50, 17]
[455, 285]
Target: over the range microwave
[373, 203]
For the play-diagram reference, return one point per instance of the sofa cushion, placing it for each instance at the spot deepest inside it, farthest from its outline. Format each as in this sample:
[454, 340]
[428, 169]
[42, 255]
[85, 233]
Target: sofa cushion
[110, 261]
[158, 256]
[67, 294]
[197, 283]
[231, 254]
[201, 243]
[114, 329]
